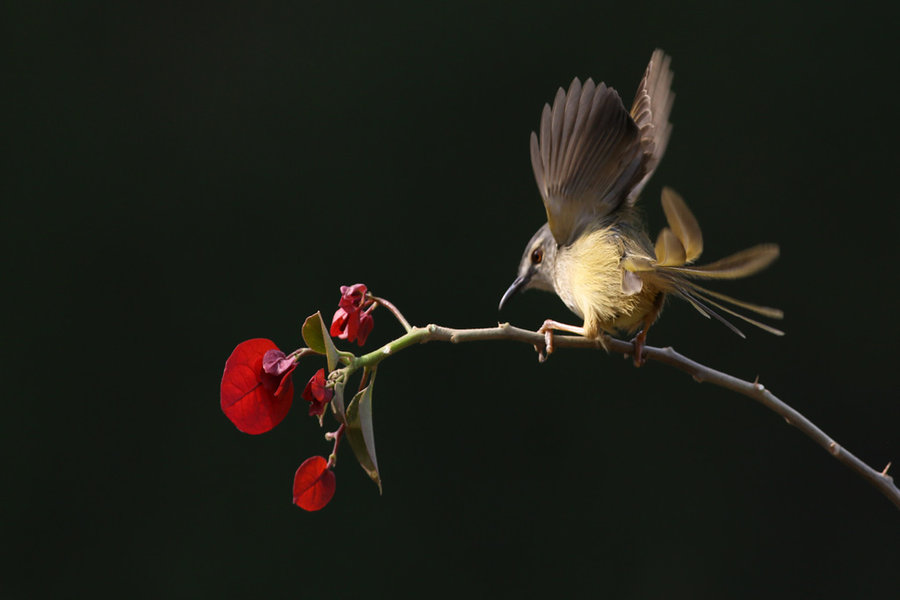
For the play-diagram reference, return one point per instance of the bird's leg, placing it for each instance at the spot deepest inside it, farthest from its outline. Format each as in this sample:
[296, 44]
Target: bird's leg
[638, 341]
[547, 329]
[641, 338]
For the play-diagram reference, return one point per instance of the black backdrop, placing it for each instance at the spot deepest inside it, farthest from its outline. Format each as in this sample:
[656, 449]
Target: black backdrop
[179, 179]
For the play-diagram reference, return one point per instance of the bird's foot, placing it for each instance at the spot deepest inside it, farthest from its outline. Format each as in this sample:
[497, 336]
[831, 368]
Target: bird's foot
[547, 329]
[638, 353]
[640, 339]
[547, 349]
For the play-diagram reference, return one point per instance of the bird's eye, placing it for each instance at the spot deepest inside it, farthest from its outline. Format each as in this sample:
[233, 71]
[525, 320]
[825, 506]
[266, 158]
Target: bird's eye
[537, 256]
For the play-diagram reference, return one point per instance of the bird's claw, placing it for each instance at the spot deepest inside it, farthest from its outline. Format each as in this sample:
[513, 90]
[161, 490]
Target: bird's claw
[638, 352]
[547, 350]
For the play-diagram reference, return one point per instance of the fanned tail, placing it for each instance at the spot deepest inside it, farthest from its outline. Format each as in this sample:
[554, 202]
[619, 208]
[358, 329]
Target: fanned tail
[679, 244]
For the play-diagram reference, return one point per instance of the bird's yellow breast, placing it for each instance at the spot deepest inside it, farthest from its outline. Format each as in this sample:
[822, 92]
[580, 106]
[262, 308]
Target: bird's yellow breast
[588, 278]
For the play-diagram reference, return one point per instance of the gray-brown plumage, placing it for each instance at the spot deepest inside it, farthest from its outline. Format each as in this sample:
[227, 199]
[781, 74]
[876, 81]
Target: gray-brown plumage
[591, 161]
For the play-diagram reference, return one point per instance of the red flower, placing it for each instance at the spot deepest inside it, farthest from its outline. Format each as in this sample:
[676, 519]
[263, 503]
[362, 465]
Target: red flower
[317, 394]
[345, 324]
[353, 320]
[313, 484]
[366, 323]
[353, 296]
[257, 389]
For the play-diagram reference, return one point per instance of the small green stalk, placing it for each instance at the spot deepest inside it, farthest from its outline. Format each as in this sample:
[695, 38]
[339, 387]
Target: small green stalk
[416, 335]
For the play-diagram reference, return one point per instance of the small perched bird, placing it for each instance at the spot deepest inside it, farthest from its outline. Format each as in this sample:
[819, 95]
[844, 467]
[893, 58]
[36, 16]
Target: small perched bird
[591, 161]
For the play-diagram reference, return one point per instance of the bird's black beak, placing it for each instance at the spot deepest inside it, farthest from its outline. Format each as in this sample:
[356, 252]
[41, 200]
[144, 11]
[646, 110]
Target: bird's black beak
[516, 286]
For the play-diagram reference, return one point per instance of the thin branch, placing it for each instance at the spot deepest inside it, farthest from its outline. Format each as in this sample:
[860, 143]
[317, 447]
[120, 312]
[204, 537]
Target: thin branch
[755, 390]
[336, 436]
[394, 310]
[300, 353]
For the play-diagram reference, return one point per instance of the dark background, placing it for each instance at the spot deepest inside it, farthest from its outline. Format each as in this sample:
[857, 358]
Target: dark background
[179, 179]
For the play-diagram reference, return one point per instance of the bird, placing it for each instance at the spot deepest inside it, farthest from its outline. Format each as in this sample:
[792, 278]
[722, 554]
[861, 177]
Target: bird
[591, 159]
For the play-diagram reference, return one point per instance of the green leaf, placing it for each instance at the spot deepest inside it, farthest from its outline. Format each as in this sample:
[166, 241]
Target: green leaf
[315, 334]
[312, 333]
[337, 403]
[360, 433]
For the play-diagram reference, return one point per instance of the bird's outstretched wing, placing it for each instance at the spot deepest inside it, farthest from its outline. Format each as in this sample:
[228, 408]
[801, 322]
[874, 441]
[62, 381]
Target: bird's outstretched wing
[650, 111]
[592, 155]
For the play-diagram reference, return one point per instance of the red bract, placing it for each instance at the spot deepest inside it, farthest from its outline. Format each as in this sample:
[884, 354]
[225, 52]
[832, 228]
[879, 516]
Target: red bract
[366, 323]
[313, 484]
[353, 296]
[317, 394]
[351, 321]
[254, 400]
[345, 324]
[276, 363]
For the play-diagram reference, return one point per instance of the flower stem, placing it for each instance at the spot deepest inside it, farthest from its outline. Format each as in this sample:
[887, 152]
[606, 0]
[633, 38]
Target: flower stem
[336, 436]
[415, 335]
[394, 310]
[300, 353]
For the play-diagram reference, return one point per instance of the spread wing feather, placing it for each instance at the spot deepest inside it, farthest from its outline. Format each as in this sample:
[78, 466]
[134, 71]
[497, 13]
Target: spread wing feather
[592, 155]
[650, 111]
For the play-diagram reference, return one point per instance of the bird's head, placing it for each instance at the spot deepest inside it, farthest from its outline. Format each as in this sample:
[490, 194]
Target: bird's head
[537, 265]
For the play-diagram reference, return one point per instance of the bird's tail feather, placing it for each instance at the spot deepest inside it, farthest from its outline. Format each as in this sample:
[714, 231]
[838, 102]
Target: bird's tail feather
[706, 301]
[680, 244]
